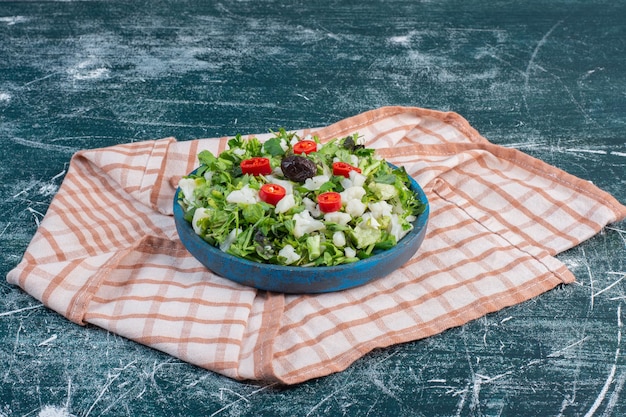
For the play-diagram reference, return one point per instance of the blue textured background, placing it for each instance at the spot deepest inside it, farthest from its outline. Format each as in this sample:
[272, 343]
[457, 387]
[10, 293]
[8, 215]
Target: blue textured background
[545, 77]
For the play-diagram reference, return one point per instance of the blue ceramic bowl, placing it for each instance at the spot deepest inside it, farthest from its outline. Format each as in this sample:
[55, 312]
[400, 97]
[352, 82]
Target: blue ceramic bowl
[299, 279]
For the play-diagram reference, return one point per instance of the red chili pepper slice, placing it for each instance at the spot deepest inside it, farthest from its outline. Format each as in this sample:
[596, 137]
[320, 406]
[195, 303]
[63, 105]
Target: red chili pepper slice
[305, 146]
[272, 193]
[341, 168]
[256, 166]
[329, 201]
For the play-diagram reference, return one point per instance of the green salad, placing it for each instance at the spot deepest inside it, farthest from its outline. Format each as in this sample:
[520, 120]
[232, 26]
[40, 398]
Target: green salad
[295, 201]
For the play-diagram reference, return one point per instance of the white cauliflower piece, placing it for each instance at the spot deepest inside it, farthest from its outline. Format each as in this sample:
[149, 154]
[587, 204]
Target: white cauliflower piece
[355, 208]
[285, 204]
[314, 183]
[338, 217]
[357, 178]
[246, 195]
[312, 207]
[352, 193]
[396, 228]
[199, 214]
[370, 221]
[339, 239]
[380, 209]
[305, 224]
[188, 186]
[289, 253]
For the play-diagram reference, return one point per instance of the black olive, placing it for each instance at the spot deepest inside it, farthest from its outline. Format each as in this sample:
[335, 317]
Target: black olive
[298, 168]
[348, 143]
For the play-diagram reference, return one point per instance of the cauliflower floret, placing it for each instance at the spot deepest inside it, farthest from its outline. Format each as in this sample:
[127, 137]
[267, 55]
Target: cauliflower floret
[199, 214]
[339, 239]
[338, 217]
[312, 207]
[380, 209]
[395, 227]
[357, 178]
[349, 252]
[246, 195]
[289, 253]
[305, 224]
[285, 204]
[355, 208]
[314, 183]
[188, 186]
[352, 193]
[370, 221]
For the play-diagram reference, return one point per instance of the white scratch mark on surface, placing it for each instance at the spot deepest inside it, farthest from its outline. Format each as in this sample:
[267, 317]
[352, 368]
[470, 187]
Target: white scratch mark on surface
[533, 56]
[461, 404]
[5, 97]
[591, 282]
[106, 386]
[326, 398]
[12, 20]
[504, 320]
[35, 213]
[5, 229]
[9, 313]
[69, 393]
[227, 406]
[36, 80]
[39, 145]
[558, 352]
[48, 341]
[610, 378]
[622, 154]
[596, 151]
[610, 286]
[222, 390]
[619, 384]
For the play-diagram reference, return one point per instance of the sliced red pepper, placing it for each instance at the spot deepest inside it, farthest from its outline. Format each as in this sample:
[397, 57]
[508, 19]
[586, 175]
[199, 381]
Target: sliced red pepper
[305, 146]
[329, 201]
[256, 166]
[272, 193]
[341, 168]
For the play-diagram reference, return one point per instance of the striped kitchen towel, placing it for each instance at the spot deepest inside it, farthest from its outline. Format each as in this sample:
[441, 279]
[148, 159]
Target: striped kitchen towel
[107, 251]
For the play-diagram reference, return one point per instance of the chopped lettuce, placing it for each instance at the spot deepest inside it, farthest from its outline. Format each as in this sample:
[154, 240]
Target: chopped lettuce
[224, 207]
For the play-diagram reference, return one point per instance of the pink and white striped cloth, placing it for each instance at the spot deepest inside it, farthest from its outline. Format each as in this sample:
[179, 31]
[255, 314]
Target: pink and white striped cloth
[107, 251]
